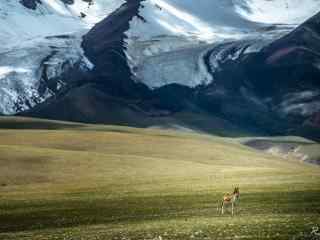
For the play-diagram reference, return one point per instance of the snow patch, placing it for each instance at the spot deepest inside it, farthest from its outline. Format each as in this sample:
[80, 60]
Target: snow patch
[6, 70]
[302, 109]
[303, 103]
[95, 12]
[277, 11]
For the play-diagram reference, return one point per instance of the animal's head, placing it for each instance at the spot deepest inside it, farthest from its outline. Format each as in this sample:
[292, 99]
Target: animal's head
[236, 191]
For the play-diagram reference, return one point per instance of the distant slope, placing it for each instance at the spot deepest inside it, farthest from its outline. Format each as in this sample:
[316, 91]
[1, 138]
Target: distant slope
[287, 147]
[30, 123]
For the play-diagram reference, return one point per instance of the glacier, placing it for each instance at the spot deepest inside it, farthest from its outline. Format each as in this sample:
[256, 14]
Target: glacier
[167, 41]
[46, 40]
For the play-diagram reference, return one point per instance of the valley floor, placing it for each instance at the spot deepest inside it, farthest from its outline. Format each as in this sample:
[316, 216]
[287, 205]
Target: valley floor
[72, 181]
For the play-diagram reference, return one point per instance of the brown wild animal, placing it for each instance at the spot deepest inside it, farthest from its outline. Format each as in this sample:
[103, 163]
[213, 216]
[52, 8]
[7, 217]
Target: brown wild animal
[230, 199]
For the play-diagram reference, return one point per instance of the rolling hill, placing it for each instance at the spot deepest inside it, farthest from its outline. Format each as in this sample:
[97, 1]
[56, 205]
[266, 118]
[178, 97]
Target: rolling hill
[61, 180]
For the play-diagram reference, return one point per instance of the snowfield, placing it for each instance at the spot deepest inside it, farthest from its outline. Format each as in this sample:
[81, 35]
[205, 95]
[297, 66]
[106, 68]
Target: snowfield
[42, 40]
[278, 11]
[24, 71]
[50, 18]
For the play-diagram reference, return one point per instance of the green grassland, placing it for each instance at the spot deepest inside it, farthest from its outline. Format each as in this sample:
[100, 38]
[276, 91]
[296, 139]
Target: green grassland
[73, 181]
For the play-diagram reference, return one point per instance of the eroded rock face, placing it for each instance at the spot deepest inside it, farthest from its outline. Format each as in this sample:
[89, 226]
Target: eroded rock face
[292, 63]
[109, 33]
[68, 1]
[104, 46]
[31, 4]
[289, 72]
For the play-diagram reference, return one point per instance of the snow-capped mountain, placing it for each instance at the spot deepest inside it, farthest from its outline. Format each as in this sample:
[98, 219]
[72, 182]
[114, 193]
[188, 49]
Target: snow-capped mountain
[165, 35]
[218, 61]
[143, 61]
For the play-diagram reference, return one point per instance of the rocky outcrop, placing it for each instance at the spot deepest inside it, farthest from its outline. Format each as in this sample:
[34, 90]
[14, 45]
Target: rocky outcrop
[69, 1]
[31, 4]
[104, 46]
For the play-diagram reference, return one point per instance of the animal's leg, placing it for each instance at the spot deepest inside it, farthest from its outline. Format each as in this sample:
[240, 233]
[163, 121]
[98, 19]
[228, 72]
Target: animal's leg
[222, 208]
[232, 208]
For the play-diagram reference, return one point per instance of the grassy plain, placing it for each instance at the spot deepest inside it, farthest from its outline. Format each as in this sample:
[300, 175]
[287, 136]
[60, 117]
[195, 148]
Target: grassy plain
[73, 181]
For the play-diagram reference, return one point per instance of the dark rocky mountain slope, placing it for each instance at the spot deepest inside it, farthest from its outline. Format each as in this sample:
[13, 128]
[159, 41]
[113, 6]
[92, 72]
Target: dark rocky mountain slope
[278, 87]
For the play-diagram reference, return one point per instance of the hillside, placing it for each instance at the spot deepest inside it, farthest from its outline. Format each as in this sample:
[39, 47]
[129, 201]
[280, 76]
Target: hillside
[62, 180]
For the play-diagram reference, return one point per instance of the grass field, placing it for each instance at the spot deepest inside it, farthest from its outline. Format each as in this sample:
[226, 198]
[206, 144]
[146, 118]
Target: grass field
[74, 181]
